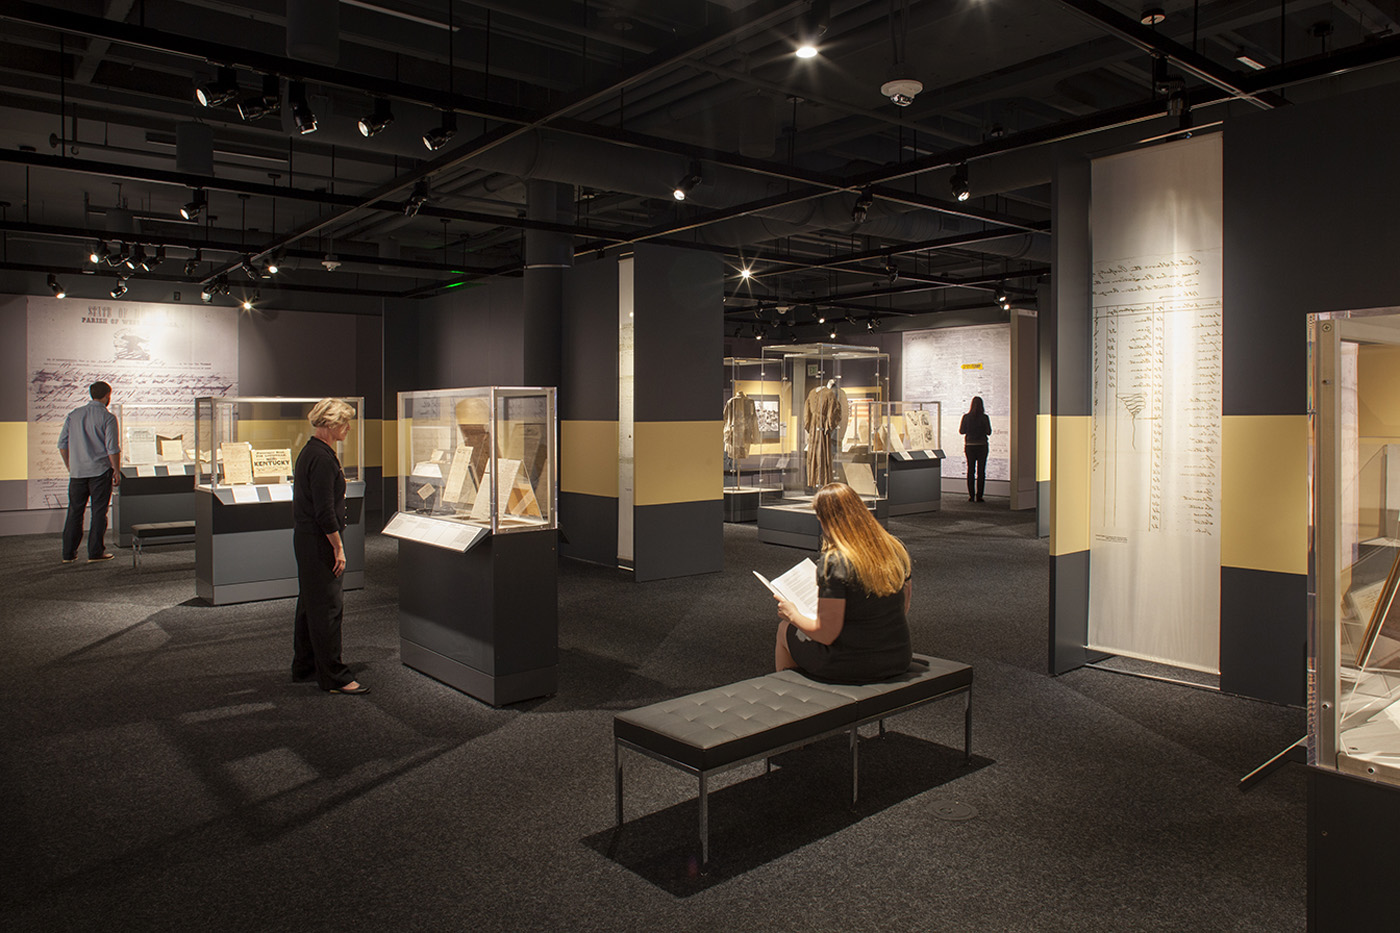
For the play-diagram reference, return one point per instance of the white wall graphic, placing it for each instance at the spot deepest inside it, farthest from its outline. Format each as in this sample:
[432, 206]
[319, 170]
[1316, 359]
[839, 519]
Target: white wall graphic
[150, 353]
[1154, 555]
[951, 365]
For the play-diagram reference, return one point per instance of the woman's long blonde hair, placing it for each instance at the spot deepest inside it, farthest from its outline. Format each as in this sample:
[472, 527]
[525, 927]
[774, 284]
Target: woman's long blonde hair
[875, 556]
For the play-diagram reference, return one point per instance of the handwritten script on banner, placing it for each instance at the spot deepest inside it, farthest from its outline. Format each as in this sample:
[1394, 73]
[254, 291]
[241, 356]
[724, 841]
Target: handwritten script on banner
[1157, 369]
[152, 354]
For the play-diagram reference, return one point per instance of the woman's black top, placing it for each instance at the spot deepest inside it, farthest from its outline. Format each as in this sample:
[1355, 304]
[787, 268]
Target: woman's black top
[318, 490]
[874, 641]
[976, 428]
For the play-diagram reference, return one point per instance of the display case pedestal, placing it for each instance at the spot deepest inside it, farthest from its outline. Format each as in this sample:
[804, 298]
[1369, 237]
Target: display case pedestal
[916, 482]
[1350, 875]
[741, 505]
[486, 621]
[243, 550]
[796, 526]
[165, 497]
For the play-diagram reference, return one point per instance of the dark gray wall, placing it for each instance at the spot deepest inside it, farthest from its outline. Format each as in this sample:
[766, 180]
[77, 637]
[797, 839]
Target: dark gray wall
[679, 299]
[588, 384]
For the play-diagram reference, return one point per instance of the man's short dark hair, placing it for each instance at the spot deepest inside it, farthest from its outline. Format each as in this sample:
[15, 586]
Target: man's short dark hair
[99, 390]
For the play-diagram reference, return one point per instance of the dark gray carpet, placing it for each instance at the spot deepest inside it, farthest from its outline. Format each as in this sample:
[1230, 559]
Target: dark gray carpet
[161, 772]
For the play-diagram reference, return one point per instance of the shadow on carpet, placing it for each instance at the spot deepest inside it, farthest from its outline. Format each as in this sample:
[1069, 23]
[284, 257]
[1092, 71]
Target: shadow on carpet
[756, 821]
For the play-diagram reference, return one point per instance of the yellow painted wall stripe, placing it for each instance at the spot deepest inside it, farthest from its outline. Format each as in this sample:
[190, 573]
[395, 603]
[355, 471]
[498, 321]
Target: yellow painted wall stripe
[14, 450]
[678, 461]
[588, 458]
[1264, 492]
[1069, 483]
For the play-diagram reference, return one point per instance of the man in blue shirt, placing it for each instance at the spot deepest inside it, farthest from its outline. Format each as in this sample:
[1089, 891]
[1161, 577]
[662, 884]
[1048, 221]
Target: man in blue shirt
[92, 451]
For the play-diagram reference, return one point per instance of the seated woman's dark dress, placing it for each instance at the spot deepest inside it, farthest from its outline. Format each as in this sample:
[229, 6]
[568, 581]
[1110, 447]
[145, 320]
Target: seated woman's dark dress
[874, 640]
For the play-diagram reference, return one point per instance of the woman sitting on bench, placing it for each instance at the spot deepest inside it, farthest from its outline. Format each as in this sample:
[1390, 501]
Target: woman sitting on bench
[860, 633]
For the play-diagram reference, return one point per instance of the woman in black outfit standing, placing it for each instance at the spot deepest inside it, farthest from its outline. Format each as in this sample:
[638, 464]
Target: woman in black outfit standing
[976, 428]
[861, 632]
[318, 518]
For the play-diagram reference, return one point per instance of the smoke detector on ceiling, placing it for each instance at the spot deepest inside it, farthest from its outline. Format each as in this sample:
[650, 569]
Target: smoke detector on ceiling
[901, 87]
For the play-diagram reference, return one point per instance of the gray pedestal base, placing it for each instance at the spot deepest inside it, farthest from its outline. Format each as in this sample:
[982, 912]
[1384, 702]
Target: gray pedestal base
[485, 622]
[915, 486]
[798, 527]
[243, 551]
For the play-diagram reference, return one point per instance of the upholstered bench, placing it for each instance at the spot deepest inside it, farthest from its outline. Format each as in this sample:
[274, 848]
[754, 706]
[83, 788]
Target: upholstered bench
[157, 532]
[715, 730]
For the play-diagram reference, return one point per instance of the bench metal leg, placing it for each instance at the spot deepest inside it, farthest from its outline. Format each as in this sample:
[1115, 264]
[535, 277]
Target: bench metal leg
[135, 553]
[768, 766]
[704, 821]
[617, 780]
[855, 766]
[882, 728]
[967, 730]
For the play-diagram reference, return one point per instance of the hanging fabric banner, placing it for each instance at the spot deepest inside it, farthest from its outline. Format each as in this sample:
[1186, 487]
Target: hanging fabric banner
[1154, 508]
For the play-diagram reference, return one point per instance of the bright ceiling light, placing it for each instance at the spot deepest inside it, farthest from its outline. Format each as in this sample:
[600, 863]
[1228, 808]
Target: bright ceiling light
[58, 290]
[98, 253]
[374, 123]
[218, 92]
[958, 183]
[196, 206]
[687, 184]
[119, 289]
[439, 136]
[302, 116]
[745, 273]
[806, 50]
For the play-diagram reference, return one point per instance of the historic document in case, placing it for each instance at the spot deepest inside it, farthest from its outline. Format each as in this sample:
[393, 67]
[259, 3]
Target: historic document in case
[237, 457]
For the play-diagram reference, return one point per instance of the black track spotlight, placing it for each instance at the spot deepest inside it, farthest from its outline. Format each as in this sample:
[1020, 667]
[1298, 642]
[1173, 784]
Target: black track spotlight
[862, 207]
[958, 182]
[417, 199]
[374, 123]
[135, 258]
[98, 254]
[198, 202]
[58, 290]
[891, 271]
[192, 266]
[159, 256]
[117, 256]
[120, 288]
[1003, 299]
[439, 136]
[250, 270]
[688, 183]
[274, 265]
[264, 104]
[218, 92]
[302, 116]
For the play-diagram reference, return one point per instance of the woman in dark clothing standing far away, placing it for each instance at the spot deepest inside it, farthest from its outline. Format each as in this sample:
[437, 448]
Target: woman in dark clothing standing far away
[976, 428]
[860, 633]
[318, 518]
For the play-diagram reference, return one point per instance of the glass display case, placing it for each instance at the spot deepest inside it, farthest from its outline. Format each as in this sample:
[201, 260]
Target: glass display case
[833, 419]
[482, 457]
[156, 439]
[241, 443]
[913, 426]
[158, 458]
[1354, 686]
[478, 549]
[914, 441]
[831, 405]
[752, 448]
[245, 450]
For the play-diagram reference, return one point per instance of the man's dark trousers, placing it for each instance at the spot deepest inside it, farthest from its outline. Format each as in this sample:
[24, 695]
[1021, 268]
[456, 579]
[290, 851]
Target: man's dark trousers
[81, 489]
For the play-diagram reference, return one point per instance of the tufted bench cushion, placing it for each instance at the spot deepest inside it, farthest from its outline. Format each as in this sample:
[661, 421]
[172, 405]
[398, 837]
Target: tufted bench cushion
[724, 727]
[713, 728]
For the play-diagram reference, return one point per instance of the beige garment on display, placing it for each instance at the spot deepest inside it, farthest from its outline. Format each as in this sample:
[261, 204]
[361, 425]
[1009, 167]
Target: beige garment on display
[740, 426]
[822, 415]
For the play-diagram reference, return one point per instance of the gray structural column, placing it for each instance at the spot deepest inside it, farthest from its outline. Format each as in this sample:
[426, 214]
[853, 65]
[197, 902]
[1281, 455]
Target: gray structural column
[1068, 334]
[547, 255]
